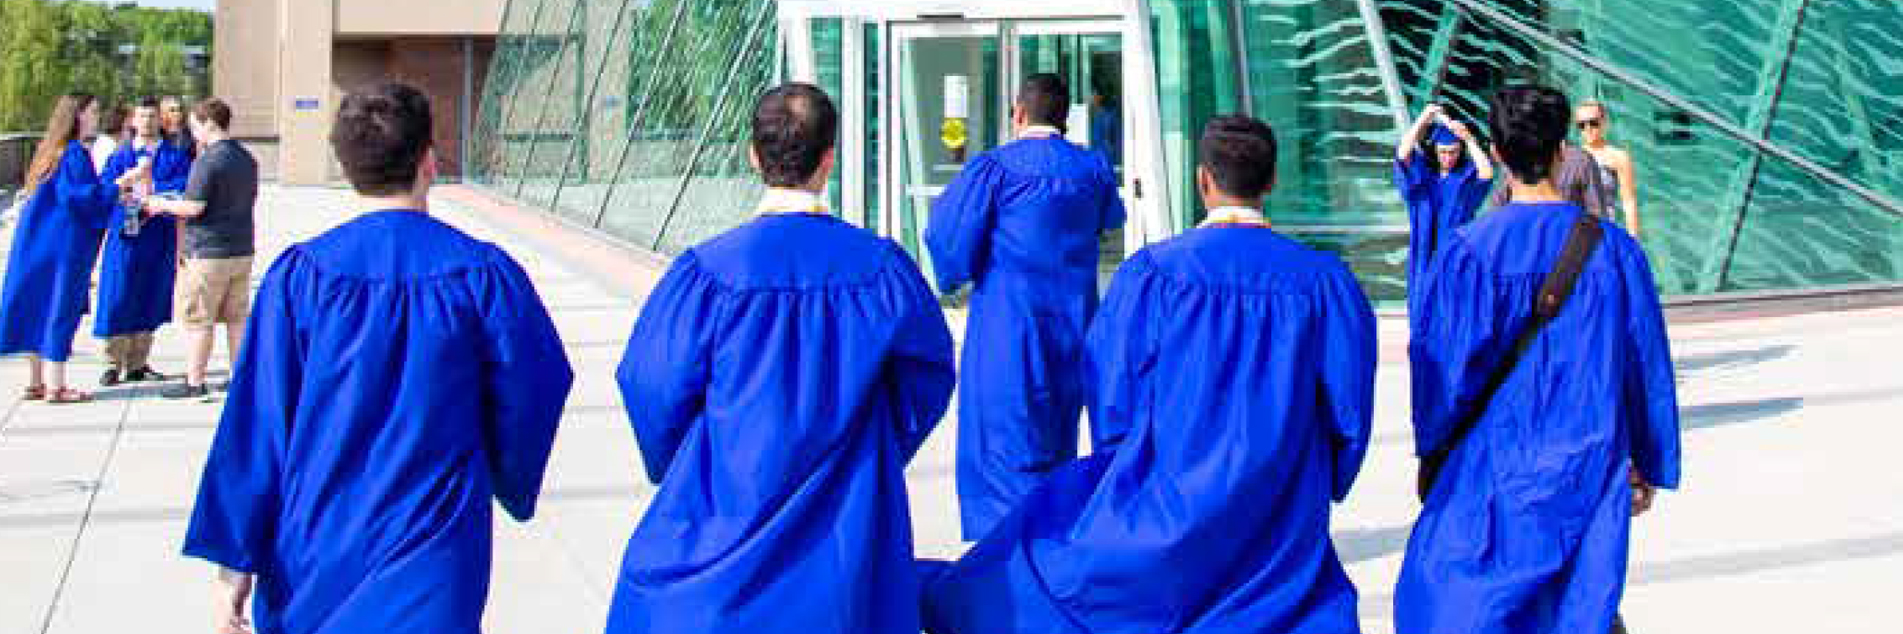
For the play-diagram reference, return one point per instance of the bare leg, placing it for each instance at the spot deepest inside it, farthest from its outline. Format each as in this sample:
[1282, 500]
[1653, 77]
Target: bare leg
[234, 339]
[36, 369]
[201, 341]
[57, 370]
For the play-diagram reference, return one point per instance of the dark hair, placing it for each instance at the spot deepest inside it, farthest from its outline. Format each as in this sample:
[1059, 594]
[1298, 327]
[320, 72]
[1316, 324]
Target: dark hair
[1239, 152]
[1527, 124]
[147, 102]
[1045, 100]
[112, 121]
[214, 110]
[61, 128]
[794, 125]
[381, 136]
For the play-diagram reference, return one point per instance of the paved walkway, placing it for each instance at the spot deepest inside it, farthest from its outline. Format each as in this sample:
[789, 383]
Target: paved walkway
[1792, 519]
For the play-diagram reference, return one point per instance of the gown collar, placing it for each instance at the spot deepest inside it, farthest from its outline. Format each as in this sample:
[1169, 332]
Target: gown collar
[792, 201]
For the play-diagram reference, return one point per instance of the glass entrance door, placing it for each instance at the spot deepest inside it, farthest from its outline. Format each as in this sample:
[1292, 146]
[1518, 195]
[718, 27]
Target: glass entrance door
[954, 83]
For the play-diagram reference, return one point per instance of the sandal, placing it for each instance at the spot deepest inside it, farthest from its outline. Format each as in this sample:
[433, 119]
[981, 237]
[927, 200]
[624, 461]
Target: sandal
[34, 393]
[68, 396]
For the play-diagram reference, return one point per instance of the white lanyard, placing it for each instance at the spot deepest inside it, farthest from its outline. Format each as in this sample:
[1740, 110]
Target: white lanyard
[792, 201]
[1040, 132]
[1235, 216]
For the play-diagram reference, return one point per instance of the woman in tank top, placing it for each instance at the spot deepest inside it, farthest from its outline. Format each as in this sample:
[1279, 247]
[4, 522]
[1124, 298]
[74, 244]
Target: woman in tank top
[1617, 174]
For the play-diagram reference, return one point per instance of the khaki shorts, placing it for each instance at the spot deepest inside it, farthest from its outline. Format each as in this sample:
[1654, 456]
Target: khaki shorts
[213, 291]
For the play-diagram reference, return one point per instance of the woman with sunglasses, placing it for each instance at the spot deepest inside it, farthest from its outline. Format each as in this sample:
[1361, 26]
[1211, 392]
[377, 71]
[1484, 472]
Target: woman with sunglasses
[1618, 179]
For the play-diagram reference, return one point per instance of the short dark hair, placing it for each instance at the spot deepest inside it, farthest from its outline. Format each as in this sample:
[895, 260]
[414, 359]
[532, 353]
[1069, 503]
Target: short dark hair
[147, 102]
[1527, 124]
[1239, 152]
[214, 110]
[381, 136]
[1045, 99]
[794, 125]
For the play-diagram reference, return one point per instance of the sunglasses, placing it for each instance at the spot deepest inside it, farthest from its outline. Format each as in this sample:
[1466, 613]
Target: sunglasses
[1590, 123]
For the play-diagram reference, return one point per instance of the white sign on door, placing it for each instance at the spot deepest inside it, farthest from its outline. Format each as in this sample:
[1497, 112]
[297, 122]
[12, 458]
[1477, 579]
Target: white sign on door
[957, 96]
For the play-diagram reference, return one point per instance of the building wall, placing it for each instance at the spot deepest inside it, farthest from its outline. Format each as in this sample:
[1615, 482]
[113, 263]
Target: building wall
[245, 64]
[276, 59]
[419, 17]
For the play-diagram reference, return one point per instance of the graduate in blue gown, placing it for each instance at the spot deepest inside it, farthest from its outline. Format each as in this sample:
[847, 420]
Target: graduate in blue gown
[780, 377]
[1526, 529]
[49, 270]
[397, 375]
[1022, 224]
[1233, 374]
[136, 271]
[1442, 189]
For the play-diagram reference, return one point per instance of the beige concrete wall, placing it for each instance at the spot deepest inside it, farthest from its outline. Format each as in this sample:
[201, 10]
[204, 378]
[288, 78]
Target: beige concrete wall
[304, 72]
[419, 17]
[245, 64]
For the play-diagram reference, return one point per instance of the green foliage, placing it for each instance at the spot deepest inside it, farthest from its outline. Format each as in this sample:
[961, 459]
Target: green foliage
[51, 47]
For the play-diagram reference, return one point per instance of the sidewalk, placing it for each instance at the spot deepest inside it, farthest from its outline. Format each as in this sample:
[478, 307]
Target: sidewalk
[1792, 517]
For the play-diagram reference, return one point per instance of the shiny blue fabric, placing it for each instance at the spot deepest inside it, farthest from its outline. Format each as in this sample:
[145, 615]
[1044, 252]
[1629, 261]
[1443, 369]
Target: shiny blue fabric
[1437, 205]
[396, 376]
[1021, 223]
[135, 274]
[1526, 530]
[779, 379]
[1233, 373]
[49, 270]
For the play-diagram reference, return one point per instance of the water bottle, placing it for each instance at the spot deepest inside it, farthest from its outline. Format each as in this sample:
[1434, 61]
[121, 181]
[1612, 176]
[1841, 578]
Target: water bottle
[133, 202]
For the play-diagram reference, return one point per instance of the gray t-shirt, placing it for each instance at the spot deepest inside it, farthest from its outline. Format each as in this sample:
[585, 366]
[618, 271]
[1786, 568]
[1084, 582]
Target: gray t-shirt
[225, 178]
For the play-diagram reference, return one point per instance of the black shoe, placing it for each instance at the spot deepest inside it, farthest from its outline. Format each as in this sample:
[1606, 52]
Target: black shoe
[143, 374]
[110, 378]
[185, 390]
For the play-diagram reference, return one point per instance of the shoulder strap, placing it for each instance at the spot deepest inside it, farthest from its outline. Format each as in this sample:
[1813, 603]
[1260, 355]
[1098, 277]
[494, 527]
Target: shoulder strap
[1554, 291]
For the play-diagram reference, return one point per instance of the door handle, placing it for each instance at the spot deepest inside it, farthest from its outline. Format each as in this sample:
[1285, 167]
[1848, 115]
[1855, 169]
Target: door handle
[1136, 188]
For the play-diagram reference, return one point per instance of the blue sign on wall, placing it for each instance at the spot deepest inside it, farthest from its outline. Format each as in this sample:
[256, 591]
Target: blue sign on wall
[304, 104]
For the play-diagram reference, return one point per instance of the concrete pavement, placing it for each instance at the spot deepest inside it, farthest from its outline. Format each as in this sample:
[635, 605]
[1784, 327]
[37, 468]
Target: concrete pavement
[1791, 520]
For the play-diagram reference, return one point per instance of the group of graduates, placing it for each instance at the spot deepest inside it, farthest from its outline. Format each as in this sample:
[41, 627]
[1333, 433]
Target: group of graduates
[80, 210]
[398, 375]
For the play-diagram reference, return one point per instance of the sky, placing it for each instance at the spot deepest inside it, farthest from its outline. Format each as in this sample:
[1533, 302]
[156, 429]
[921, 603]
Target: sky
[202, 5]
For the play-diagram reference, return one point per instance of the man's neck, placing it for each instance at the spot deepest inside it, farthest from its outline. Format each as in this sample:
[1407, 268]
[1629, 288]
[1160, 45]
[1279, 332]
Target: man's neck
[1221, 202]
[145, 141]
[1541, 192]
[214, 138]
[387, 203]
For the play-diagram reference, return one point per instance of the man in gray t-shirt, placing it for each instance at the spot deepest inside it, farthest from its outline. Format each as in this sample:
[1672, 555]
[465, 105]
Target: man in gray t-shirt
[1577, 180]
[218, 241]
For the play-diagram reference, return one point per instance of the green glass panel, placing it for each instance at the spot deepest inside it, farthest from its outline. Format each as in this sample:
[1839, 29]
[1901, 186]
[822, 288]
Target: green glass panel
[723, 188]
[599, 124]
[1198, 77]
[829, 35]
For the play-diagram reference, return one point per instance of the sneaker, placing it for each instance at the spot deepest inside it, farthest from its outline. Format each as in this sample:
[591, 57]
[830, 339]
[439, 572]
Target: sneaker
[185, 390]
[144, 374]
[110, 378]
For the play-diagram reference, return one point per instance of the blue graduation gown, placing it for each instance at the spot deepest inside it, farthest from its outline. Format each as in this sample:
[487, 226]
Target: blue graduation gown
[1233, 373]
[1436, 206]
[779, 379]
[135, 274]
[396, 376]
[49, 271]
[1526, 530]
[1022, 223]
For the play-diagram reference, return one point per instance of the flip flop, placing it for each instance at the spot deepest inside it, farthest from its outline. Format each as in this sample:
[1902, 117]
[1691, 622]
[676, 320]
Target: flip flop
[68, 396]
[34, 393]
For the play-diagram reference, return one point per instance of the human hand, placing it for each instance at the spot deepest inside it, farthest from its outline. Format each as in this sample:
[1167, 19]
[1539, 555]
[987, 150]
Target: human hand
[233, 592]
[1642, 493]
[1459, 129]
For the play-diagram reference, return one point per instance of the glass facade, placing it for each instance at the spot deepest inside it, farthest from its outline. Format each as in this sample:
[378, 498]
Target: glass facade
[1767, 134]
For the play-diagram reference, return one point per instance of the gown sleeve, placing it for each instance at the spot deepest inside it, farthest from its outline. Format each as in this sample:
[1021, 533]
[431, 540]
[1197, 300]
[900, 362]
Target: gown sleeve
[959, 232]
[82, 192]
[920, 371]
[1347, 374]
[1415, 180]
[171, 169]
[235, 517]
[1121, 347]
[667, 365]
[1651, 398]
[1457, 339]
[528, 379]
[1115, 214]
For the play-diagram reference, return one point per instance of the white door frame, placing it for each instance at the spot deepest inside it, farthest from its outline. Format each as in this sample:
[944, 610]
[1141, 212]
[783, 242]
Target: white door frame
[1145, 178]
